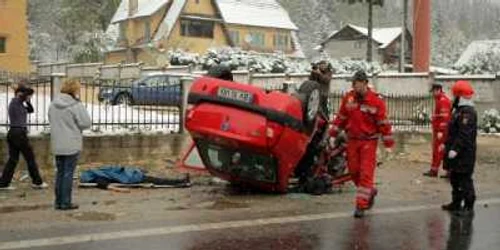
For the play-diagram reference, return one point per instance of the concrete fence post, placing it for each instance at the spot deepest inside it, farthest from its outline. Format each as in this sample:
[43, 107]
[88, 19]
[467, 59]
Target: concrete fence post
[250, 77]
[119, 77]
[186, 83]
[55, 84]
[375, 81]
[287, 83]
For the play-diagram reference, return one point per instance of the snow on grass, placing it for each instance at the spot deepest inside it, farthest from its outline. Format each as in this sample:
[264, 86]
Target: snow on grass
[106, 119]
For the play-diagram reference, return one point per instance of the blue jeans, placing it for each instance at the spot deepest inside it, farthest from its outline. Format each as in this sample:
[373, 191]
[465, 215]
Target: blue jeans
[66, 165]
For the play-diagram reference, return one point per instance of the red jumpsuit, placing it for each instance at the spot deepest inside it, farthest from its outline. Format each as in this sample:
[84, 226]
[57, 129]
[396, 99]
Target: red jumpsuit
[440, 119]
[364, 120]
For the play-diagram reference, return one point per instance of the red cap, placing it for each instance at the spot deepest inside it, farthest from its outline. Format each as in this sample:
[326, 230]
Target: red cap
[462, 89]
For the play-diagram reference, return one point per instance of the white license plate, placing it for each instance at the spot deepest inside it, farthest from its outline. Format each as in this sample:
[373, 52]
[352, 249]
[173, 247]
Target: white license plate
[236, 95]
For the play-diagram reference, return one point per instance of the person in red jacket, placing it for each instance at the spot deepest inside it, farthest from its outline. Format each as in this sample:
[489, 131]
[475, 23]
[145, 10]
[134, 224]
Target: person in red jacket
[363, 116]
[440, 119]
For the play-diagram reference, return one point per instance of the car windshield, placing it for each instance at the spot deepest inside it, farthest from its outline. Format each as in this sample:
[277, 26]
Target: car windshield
[241, 163]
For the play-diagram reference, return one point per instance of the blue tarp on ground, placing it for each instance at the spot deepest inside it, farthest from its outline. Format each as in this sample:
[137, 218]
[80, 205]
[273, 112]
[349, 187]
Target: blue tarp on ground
[113, 174]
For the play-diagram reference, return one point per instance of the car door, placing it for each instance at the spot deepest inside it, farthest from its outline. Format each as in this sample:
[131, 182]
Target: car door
[172, 91]
[147, 89]
[162, 90]
[139, 90]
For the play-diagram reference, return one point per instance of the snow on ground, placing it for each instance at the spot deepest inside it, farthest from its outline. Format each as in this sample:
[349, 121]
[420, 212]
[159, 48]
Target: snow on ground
[106, 119]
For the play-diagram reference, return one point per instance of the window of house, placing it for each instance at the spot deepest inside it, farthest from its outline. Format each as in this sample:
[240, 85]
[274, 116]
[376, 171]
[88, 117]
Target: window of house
[235, 36]
[122, 33]
[358, 44]
[281, 41]
[257, 39]
[3, 45]
[195, 28]
[147, 30]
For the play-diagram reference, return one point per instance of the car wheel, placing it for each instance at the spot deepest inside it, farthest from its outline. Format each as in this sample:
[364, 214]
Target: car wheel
[123, 98]
[311, 99]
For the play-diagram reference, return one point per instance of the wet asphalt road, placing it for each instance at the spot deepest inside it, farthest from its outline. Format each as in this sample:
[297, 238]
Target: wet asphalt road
[411, 227]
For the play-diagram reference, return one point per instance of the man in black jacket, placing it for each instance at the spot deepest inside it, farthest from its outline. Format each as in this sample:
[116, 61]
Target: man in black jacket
[461, 150]
[18, 141]
[322, 74]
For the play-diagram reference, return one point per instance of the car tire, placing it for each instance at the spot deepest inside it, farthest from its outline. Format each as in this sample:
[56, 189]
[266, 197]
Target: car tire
[123, 98]
[310, 96]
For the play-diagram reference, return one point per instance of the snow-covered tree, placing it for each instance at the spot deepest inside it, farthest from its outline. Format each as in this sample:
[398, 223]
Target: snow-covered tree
[69, 30]
[490, 121]
[483, 62]
[238, 59]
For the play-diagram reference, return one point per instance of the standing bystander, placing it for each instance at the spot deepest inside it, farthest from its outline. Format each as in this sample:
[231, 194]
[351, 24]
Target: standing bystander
[17, 139]
[461, 150]
[68, 118]
[440, 119]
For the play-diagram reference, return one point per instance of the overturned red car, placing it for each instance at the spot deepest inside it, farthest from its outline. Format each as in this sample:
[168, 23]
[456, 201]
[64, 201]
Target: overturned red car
[263, 139]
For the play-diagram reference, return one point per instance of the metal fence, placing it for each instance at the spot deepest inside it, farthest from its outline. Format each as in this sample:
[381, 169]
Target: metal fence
[406, 112]
[114, 106]
[126, 106]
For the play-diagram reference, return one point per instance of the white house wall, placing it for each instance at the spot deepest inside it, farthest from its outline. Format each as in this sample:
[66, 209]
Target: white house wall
[346, 49]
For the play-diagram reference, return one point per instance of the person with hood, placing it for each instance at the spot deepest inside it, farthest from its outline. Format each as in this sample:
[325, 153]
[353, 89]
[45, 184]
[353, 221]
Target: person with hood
[440, 119]
[363, 116]
[17, 139]
[68, 118]
[322, 74]
[461, 150]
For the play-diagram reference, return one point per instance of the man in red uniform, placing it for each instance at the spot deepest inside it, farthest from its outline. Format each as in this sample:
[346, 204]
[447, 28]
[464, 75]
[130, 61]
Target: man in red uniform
[363, 116]
[440, 119]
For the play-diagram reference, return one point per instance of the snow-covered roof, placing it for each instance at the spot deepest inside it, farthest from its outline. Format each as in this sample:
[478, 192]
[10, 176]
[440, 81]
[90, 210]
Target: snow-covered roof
[259, 13]
[477, 47]
[168, 22]
[144, 8]
[383, 36]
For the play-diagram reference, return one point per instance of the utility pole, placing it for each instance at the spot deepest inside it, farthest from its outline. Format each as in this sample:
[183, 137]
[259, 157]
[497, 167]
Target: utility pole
[422, 35]
[369, 44]
[402, 53]
[369, 52]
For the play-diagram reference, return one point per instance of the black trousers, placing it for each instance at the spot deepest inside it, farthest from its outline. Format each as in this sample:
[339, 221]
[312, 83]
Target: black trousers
[17, 139]
[324, 105]
[463, 189]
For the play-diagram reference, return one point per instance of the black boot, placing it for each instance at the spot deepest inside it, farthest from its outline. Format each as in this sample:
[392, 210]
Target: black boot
[69, 207]
[452, 207]
[465, 212]
[445, 176]
[430, 173]
[468, 209]
[359, 213]
[372, 199]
